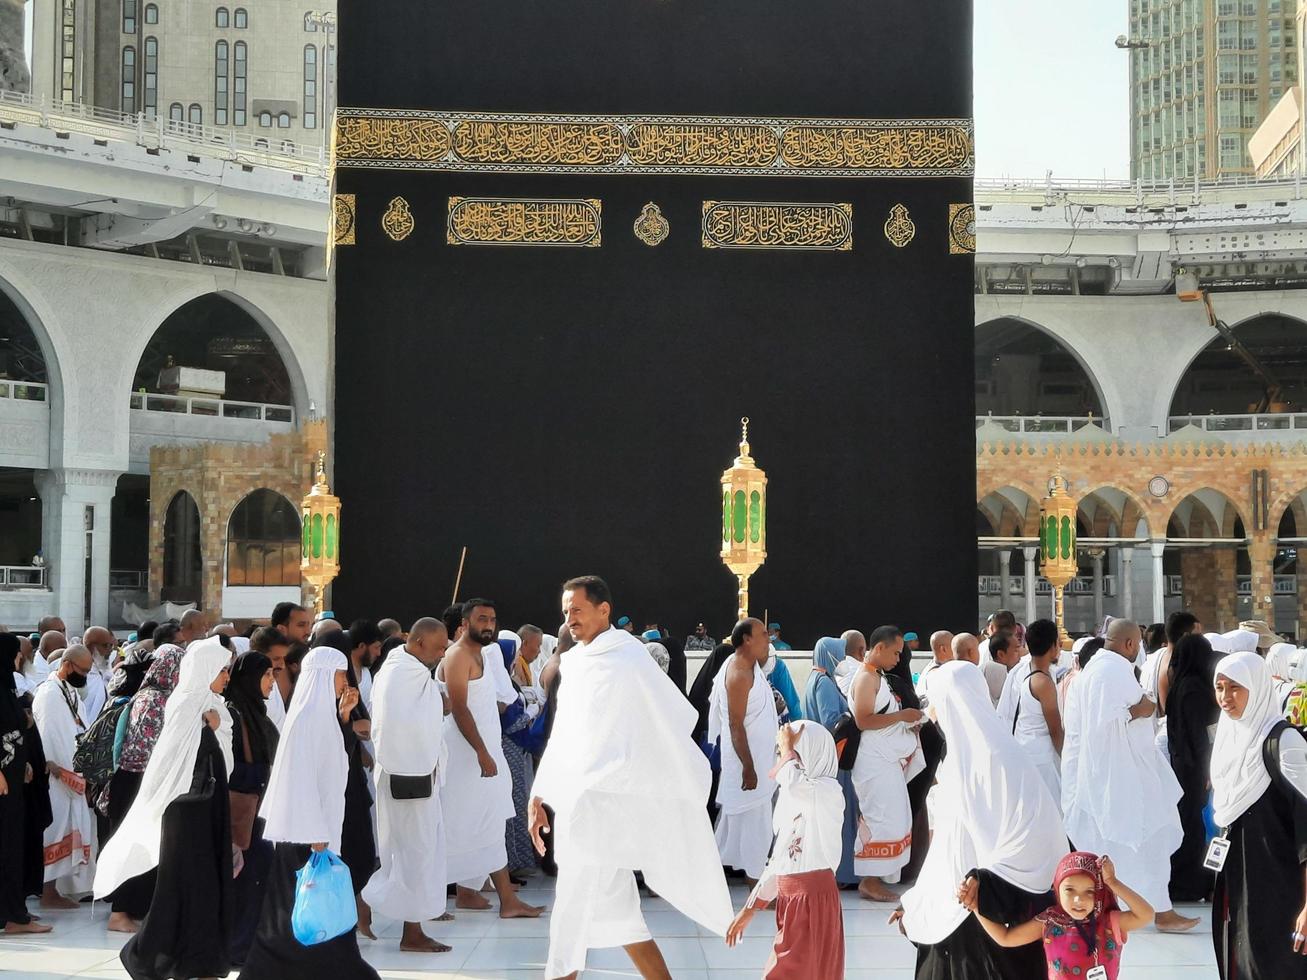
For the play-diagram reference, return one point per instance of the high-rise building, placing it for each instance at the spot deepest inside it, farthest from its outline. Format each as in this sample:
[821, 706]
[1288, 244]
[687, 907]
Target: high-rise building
[1204, 74]
[264, 70]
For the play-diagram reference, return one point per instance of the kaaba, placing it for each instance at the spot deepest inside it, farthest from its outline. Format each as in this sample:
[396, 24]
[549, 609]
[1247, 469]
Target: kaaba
[575, 242]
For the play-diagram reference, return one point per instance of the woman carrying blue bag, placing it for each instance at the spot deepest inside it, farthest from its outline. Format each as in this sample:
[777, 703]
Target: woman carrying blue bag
[304, 811]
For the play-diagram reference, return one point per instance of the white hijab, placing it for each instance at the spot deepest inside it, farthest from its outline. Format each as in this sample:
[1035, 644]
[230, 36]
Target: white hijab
[1298, 666]
[994, 810]
[305, 799]
[134, 847]
[1242, 641]
[1220, 642]
[811, 799]
[1279, 659]
[1239, 776]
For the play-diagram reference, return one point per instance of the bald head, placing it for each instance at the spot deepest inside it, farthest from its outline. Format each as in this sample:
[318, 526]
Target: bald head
[966, 647]
[51, 640]
[50, 624]
[99, 641]
[389, 628]
[941, 646]
[325, 626]
[855, 644]
[193, 626]
[1123, 638]
[428, 640]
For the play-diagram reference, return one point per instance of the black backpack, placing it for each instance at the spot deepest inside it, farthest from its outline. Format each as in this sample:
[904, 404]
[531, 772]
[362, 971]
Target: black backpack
[93, 757]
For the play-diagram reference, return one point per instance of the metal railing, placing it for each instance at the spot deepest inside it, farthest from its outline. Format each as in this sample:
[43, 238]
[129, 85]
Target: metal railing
[157, 132]
[127, 579]
[992, 585]
[1043, 423]
[1269, 421]
[24, 391]
[1284, 585]
[22, 576]
[211, 407]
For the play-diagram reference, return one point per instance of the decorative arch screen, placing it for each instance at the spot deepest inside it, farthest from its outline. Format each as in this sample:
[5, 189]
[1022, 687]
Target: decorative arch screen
[263, 541]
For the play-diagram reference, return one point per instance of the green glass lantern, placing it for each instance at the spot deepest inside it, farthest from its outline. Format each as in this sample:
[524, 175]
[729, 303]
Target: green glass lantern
[320, 513]
[744, 518]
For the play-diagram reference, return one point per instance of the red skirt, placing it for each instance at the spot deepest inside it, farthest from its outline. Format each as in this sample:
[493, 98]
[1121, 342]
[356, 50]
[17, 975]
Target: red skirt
[809, 929]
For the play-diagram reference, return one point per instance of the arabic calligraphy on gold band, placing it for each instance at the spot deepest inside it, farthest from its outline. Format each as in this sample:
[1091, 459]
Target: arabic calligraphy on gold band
[511, 221]
[343, 210]
[961, 229]
[525, 143]
[749, 224]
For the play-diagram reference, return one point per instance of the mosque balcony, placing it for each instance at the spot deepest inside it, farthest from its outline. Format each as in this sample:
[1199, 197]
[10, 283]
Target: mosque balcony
[176, 420]
[992, 585]
[1283, 428]
[24, 424]
[25, 596]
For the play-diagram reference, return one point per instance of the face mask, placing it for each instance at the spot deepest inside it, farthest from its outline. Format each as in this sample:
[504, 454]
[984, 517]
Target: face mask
[76, 679]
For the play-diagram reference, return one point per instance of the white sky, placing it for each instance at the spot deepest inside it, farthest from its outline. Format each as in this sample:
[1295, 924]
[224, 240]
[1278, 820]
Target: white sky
[1051, 88]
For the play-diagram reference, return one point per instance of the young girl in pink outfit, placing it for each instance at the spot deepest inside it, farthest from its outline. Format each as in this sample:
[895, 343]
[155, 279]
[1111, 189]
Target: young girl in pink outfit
[1085, 931]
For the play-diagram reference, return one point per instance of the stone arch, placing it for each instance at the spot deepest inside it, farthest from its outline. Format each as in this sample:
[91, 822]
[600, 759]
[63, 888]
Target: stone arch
[175, 301]
[183, 560]
[1295, 387]
[1013, 506]
[1113, 504]
[1103, 409]
[39, 319]
[262, 535]
[1221, 511]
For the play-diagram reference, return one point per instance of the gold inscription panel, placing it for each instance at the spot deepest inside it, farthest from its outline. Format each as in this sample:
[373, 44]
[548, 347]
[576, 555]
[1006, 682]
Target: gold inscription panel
[511, 221]
[525, 143]
[751, 224]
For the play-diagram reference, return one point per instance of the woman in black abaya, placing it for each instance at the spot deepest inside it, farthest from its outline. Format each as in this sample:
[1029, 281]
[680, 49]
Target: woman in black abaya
[15, 777]
[1191, 710]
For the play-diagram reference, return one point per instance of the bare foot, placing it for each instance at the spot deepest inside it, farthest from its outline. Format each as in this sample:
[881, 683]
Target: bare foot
[57, 901]
[122, 922]
[365, 919]
[518, 909]
[25, 928]
[1173, 921]
[420, 943]
[874, 893]
[444, 917]
[470, 900]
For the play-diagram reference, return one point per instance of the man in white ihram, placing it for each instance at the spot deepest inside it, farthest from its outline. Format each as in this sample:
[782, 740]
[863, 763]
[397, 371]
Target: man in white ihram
[627, 786]
[1119, 795]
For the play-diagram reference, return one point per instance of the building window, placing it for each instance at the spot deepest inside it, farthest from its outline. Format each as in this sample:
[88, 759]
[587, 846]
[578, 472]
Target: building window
[265, 119]
[68, 50]
[176, 113]
[310, 25]
[151, 76]
[241, 19]
[129, 16]
[221, 17]
[196, 115]
[221, 80]
[238, 84]
[151, 13]
[310, 87]
[283, 120]
[129, 80]
[263, 541]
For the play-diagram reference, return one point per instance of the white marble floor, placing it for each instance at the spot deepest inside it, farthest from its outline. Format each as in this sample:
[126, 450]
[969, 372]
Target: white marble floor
[485, 947]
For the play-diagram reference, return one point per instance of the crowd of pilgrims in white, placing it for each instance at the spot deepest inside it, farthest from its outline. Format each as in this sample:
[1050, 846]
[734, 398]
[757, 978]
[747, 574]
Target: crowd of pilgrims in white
[1020, 806]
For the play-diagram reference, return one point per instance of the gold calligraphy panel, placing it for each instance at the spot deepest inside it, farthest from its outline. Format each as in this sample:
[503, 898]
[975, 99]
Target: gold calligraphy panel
[534, 143]
[512, 221]
[961, 229]
[392, 139]
[752, 224]
[343, 208]
[558, 144]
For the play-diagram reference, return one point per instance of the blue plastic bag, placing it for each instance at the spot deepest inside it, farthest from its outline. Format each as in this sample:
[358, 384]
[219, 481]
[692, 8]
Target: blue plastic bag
[324, 900]
[1209, 822]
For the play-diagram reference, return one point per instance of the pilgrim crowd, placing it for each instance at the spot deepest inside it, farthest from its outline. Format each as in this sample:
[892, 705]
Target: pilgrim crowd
[1021, 808]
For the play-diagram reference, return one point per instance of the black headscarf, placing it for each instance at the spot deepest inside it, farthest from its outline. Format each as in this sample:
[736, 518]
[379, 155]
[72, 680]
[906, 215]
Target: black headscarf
[701, 689]
[339, 640]
[13, 720]
[128, 676]
[1191, 705]
[388, 644]
[245, 694]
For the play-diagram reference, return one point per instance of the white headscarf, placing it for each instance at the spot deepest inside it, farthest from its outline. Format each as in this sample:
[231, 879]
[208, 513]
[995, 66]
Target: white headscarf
[1239, 776]
[813, 797]
[994, 810]
[134, 847]
[1242, 641]
[1298, 666]
[1220, 642]
[305, 799]
[1280, 659]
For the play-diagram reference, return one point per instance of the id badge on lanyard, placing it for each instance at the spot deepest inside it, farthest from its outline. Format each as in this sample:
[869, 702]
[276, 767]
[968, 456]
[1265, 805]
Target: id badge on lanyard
[1097, 973]
[1217, 852]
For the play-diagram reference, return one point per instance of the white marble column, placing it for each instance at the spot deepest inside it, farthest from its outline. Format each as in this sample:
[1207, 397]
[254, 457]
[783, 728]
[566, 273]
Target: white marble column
[1029, 554]
[75, 521]
[1097, 556]
[1127, 583]
[1158, 546]
[1004, 576]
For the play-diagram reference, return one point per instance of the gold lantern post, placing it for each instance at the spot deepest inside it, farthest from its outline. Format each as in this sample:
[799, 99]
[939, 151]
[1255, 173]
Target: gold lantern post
[1057, 540]
[320, 555]
[744, 518]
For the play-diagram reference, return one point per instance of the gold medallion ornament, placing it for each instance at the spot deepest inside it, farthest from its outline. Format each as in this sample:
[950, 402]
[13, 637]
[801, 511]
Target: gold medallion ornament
[506, 142]
[397, 222]
[514, 221]
[754, 224]
[651, 227]
[343, 219]
[899, 228]
[961, 229]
